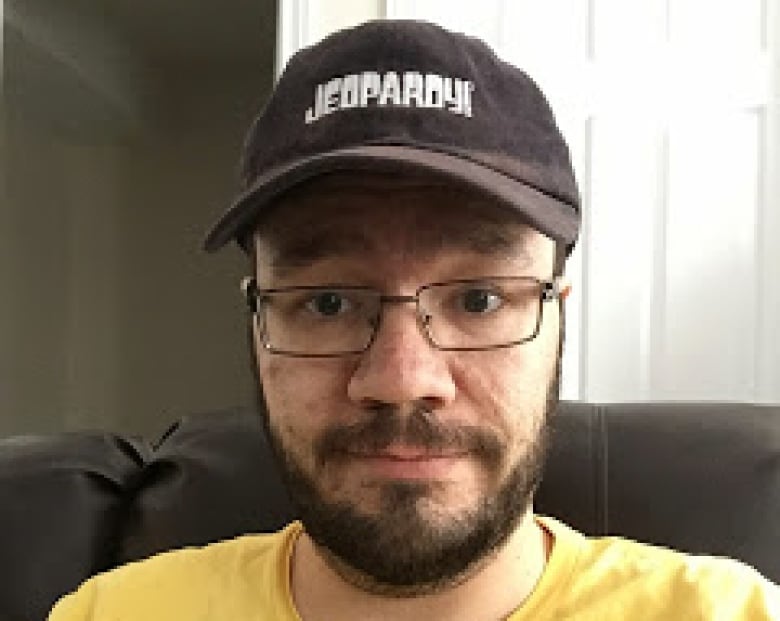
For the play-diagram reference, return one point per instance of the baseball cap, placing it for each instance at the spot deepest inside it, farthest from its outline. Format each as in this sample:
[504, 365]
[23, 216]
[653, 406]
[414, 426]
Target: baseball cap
[407, 96]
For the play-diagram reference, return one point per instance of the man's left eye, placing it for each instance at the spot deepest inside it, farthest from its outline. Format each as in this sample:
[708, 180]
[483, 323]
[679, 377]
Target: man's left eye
[481, 301]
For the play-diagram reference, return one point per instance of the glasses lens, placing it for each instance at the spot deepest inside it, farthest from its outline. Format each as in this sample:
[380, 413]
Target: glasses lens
[482, 313]
[319, 321]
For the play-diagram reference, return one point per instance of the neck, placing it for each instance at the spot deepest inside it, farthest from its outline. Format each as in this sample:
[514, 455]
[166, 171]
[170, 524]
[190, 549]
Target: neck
[495, 588]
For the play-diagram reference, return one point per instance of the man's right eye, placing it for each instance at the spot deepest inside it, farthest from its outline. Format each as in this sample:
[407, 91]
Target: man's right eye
[328, 303]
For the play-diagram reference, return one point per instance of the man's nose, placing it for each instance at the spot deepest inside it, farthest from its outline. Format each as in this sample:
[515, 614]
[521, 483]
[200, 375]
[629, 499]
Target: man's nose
[402, 366]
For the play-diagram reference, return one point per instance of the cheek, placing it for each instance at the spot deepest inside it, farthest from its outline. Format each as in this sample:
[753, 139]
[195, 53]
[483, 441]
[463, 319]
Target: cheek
[507, 389]
[302, 396]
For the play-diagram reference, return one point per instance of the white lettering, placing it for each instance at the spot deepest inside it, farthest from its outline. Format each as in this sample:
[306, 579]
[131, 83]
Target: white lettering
[449, 93]
[434, 91]
[457, 88]
[391, 90]
[315, 112]
[370, 87]
[331, 96]
[414, 89]
[468, 88]
[350, 87]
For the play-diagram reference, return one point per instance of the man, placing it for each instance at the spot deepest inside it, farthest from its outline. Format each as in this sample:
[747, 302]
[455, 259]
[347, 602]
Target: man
[409, 204]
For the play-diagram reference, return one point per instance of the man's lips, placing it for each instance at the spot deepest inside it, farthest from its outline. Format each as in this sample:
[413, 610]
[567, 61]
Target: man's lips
[407, 462]
[402, 452]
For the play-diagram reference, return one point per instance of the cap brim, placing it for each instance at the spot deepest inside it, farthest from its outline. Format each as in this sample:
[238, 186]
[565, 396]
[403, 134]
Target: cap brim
[551, 216]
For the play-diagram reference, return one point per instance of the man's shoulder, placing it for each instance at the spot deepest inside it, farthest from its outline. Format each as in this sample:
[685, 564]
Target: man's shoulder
[707, 587]
[176, 577]
[614, 572]
[203, 560]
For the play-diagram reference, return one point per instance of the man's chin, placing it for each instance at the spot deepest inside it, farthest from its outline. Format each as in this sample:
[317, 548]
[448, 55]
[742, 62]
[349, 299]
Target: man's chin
[401, 555]
[407, 543]
[404, 537]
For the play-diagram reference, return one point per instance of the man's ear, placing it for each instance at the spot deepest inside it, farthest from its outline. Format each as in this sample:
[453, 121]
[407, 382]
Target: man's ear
[562, 287]
[251, 342]
[260, 404]
[249, 291]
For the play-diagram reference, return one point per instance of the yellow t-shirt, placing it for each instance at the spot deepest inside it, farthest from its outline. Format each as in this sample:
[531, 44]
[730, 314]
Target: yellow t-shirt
[587, 579]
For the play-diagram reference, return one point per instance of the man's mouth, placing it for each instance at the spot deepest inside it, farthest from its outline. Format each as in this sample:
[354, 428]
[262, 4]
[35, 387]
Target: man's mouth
[406, 462]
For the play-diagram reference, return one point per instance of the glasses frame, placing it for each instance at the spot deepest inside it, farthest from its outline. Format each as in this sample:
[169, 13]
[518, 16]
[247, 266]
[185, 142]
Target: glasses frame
[549, 290]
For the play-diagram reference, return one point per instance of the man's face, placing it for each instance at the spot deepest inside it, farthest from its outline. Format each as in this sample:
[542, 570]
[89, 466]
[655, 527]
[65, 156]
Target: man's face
[409, 464]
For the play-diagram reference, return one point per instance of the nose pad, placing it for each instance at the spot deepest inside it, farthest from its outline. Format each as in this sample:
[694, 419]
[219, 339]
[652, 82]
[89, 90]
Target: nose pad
[375, 323]
[425, 319]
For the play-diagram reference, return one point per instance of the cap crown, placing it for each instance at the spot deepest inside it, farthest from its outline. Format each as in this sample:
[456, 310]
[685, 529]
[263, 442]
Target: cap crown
[407, 96]
[415, 84]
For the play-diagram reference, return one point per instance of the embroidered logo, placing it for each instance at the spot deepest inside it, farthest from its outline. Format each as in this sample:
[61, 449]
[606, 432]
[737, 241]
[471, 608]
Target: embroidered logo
[410, 88]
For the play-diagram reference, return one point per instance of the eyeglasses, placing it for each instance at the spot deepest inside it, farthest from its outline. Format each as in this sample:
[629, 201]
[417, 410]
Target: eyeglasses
[322, 321]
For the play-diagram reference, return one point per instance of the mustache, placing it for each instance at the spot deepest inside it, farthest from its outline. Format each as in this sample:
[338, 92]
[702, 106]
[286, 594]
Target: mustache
[420, 428]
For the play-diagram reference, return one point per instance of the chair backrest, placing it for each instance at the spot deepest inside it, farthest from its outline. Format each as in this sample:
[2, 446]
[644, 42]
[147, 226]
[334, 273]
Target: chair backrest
[702, 478]
[697, 477]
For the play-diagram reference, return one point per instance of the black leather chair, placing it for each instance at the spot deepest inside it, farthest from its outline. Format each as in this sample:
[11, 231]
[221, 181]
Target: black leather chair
[698, 477]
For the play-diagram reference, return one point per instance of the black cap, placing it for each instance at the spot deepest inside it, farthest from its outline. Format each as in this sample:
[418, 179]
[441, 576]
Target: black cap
[400, 96]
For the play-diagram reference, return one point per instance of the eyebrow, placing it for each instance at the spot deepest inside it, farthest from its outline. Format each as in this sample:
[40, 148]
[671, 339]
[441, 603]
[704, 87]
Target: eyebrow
[302, 251]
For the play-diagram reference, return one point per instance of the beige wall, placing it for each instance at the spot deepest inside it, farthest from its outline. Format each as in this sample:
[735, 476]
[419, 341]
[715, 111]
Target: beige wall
[182, 337]
[110, 314]
[35, 287]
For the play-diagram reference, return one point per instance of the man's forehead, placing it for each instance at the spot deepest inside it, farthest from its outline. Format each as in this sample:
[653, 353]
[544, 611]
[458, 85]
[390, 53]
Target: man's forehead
[343, 214]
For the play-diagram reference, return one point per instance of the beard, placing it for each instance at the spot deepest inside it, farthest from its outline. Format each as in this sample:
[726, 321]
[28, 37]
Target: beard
[396, 550]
